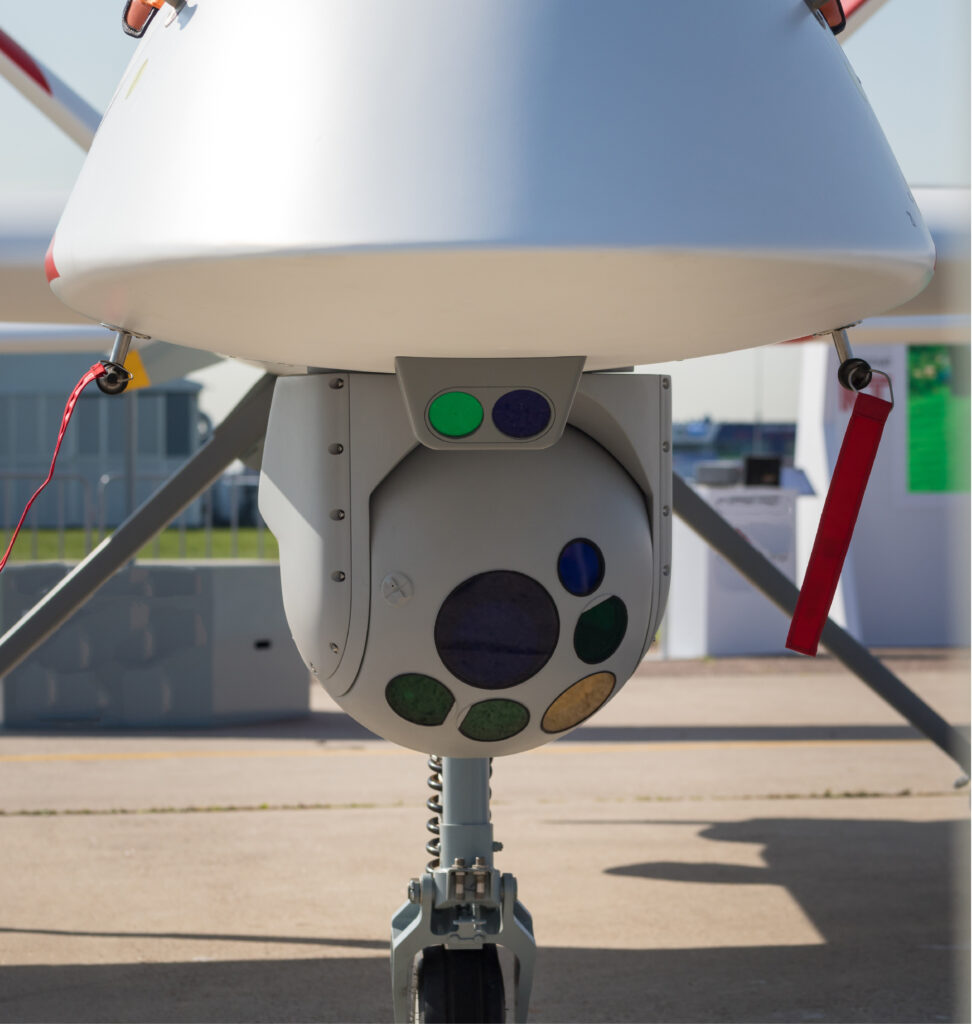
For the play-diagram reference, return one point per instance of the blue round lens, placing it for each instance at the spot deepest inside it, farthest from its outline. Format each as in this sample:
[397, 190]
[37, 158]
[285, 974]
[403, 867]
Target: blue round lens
[497, 629]
[581, 567]
[521, 413]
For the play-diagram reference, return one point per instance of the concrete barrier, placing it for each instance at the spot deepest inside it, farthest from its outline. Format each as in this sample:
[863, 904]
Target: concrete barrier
[161, 644]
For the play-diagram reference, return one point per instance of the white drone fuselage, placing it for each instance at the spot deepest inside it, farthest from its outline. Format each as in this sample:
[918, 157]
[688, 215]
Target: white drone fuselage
[336, 185]
[489, 201]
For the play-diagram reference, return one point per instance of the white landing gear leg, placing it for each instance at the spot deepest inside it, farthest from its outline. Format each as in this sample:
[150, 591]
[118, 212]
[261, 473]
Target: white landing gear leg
[459, 911]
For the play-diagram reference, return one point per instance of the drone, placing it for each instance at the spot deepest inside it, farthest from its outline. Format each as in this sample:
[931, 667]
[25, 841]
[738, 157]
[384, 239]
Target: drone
[447, 233]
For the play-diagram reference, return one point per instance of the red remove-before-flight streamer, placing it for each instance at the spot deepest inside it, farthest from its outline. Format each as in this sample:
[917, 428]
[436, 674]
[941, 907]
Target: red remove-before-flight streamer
[96, 371]
[851, 473]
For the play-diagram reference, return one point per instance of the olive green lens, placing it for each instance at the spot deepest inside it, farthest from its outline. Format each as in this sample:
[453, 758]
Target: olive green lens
[455, 414]
[600, 630]
[492, 720]
[419, 699]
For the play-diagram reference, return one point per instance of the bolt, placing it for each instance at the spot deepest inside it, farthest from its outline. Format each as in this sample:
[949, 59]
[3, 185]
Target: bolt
[666, 569]
[334, 649]
[335, 449]
[666, 447]
[414, 891]
[338, 577]
[666, 382]
[338, 514]
[666, 511]
[337, 383]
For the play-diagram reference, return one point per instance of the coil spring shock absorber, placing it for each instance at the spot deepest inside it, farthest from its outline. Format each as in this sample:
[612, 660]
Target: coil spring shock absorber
[434, 804]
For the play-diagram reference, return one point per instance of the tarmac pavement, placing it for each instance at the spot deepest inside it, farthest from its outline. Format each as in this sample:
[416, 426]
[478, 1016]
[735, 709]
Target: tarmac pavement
[732, 840]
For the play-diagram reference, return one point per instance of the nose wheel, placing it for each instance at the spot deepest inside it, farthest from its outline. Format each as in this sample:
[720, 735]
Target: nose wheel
[459, 986]
[444, 958]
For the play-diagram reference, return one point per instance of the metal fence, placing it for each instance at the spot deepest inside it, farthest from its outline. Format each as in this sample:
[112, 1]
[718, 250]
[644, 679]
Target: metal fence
[228, 505]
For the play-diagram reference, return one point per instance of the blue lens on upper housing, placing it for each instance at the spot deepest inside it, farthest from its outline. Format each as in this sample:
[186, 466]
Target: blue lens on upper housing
[581, 567]
[521, 413]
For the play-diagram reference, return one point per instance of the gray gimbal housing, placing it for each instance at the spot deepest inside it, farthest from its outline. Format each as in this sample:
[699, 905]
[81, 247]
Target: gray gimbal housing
[460, 584]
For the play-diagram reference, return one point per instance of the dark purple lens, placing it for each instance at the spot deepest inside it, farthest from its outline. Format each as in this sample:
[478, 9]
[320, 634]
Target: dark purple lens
[496, 629]
[521, 413]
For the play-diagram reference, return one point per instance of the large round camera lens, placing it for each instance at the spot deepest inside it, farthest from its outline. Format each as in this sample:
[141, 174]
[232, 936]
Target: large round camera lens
[496, 629]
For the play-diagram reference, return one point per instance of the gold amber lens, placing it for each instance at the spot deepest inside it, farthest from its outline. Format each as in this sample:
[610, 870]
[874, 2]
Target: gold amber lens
[578, 702]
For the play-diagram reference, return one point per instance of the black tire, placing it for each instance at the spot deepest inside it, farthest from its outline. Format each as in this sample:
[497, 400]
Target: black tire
[459, 986]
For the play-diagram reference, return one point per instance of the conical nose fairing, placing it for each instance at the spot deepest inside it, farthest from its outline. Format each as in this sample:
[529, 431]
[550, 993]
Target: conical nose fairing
[631, 182]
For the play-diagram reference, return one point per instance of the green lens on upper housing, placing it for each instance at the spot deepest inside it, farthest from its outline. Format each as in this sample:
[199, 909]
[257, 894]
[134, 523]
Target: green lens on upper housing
[494, 720]
[455, 414]
[419, 699]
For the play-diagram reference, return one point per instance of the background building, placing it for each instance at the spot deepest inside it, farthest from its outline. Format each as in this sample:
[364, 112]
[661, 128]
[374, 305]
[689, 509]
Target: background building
[90, 487]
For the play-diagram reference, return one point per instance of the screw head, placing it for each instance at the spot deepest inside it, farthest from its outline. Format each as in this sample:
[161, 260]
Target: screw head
[414, 891]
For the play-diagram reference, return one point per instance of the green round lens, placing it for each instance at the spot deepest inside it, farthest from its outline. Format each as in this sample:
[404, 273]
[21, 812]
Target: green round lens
[493, 720]
[455, 414]
[419, 699]
[600, 630]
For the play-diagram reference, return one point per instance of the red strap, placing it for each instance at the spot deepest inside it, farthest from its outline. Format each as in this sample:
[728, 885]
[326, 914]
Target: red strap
[96, 371]
[837, 521]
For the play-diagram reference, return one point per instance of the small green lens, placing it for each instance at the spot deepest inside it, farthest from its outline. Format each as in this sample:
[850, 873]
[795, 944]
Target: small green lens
[493, 720]
[600, 630]
[419, 699]
[455, 414]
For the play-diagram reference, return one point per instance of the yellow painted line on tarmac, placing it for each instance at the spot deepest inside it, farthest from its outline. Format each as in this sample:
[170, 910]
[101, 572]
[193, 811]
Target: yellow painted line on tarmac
[387, 750]
[172, 755]
[591, 748]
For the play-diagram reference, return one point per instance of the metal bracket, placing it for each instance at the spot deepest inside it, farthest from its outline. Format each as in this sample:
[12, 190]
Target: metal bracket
[116, 378]
[416, 925]
[466, 904]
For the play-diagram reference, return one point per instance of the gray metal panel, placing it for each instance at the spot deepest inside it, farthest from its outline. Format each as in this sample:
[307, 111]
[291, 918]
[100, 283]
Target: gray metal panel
[422, 380]
[631, 416]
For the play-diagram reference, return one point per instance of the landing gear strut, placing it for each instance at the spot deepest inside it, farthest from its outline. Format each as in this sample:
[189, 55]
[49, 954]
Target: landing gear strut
[459, 911]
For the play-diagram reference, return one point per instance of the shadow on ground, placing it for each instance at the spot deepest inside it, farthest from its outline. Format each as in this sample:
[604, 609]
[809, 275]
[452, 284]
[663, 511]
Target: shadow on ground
[818, 983]
[888, 897]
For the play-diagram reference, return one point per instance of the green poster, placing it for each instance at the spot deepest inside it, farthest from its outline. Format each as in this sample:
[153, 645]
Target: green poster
[938, 419]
